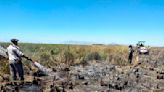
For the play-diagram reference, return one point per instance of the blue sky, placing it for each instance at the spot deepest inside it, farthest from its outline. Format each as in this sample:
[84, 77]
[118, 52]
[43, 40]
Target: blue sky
[100, 21]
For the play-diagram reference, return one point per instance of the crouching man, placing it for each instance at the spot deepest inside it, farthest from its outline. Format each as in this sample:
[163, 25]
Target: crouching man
[15, 61]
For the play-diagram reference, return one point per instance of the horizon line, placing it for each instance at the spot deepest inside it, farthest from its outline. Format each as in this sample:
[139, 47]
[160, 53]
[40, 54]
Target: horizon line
[62, 43]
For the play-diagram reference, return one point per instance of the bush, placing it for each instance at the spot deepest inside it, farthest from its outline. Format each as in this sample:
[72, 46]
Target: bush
[55, 51]
[45, 59]
[93, 56]
[4, 66]
[66, 57]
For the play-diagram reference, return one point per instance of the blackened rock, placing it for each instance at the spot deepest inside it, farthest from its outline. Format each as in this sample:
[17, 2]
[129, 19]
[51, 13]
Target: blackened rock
[80, 77]
[110, 86]
[35, 81]
[66, 69]
[161, 72]
[71, 86]
[160, 77]
[54, 70]
[39, 74]
[126, 83]
[102, 83]
[151, 68]
[6, 77]
[118, 87]
[55, 89]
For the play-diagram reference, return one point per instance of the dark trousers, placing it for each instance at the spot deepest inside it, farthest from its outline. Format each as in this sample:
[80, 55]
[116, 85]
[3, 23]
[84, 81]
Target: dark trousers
[17, 68]
[130, 58]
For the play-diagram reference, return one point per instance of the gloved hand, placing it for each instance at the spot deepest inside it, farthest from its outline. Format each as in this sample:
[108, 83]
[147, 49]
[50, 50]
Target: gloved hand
[29, 59]
[26, 57]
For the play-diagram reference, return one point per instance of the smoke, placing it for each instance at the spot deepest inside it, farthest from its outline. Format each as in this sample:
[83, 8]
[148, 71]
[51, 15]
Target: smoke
[3, 52]
[45, 70]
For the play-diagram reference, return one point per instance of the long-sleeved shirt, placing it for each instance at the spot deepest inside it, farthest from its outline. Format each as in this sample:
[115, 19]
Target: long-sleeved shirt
[14, 53]
[131, 51]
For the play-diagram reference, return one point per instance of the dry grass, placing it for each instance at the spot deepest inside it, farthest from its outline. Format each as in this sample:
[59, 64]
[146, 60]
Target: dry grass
[51, 55]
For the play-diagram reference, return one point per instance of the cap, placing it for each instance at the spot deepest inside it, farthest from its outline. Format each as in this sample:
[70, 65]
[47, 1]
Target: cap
[14, 40]
[130, 46]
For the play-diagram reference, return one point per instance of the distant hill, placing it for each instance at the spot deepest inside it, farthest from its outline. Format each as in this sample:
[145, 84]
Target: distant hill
[78, 42]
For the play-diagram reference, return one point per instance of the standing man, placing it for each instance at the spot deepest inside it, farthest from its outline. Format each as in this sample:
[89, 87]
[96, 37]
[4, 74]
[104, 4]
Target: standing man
[15, 61]
[131, 51]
